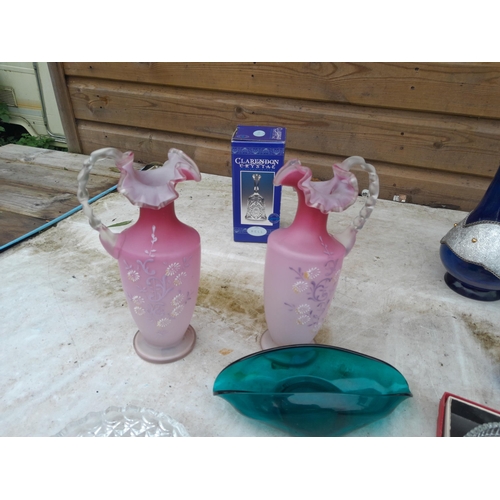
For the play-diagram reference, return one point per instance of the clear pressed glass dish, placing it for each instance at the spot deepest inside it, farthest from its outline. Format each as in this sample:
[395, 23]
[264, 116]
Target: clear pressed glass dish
[129, 421]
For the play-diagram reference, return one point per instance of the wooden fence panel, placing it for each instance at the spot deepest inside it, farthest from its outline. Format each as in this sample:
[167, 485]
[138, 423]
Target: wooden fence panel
[401, 137]
[470, 89]
[213, 156]
[432, 130]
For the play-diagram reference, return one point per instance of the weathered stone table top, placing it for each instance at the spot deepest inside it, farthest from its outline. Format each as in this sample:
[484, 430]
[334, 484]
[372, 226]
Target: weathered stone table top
[66, 333]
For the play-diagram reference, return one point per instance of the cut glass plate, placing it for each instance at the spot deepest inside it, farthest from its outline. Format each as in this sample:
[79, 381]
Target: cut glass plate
[129, 421]
[490, 429]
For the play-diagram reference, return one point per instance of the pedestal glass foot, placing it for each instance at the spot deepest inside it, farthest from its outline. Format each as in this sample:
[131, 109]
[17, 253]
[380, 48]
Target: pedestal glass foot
[469, 291]
[167, 355]
[266, 341]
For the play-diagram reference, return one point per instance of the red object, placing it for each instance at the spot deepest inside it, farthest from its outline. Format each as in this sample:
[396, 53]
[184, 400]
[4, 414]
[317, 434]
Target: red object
[442, 410]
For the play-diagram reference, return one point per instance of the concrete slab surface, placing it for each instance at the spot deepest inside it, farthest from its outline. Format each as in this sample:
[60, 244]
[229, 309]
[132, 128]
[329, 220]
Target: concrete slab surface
[66, 332]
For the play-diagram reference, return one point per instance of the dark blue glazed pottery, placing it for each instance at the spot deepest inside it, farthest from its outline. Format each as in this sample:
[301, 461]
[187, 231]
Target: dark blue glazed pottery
[470, 251]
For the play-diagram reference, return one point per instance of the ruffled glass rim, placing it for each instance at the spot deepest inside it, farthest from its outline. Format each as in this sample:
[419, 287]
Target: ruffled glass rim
[311, 348]
[155, 188]
[334, 195]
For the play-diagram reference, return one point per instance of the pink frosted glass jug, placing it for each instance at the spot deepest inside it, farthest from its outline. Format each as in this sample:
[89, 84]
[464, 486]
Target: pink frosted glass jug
[303, 261]
[159, 256]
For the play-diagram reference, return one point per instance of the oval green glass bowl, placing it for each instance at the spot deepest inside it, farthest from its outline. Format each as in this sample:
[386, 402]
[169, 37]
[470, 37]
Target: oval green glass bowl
[312, 390]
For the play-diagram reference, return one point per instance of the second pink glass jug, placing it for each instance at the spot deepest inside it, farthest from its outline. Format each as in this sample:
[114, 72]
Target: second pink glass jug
[303, 261]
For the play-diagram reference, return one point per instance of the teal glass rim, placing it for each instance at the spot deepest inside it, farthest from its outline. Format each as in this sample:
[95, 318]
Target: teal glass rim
[312, 389]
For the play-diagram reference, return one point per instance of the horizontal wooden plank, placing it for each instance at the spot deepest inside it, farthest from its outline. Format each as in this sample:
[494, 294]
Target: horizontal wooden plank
[42, 184]
[458, 144]
[53, 180]
[420, 186]
[469, 89]
[212, 156]
[13, 226]
[35, 202]
[56, 159]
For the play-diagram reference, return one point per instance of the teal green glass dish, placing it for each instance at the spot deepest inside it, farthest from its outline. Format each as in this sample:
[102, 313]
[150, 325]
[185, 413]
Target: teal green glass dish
[313, 389]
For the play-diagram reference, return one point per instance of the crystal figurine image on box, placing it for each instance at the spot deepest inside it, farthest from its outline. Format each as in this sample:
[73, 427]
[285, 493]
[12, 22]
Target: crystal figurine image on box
[256, 206]
[159, 256]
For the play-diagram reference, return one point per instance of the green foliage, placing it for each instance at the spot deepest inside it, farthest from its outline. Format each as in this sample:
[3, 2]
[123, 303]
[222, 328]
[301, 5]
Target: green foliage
[36, 141]
[4, 115]
[40, 141]
[124, 223]
[6, 140]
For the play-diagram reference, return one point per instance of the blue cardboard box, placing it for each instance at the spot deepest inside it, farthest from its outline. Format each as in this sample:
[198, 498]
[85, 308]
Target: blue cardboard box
[257, 153]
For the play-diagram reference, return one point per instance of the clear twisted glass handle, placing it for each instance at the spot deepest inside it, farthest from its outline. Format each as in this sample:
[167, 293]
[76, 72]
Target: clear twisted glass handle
[83, 178]
[108, 238]
[348, 236]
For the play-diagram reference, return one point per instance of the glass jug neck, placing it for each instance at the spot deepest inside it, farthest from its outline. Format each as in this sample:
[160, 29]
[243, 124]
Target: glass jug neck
[165, 216]
[308, 219]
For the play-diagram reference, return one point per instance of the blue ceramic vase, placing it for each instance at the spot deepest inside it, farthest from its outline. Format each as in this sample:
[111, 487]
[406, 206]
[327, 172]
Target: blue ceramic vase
[470, 251]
